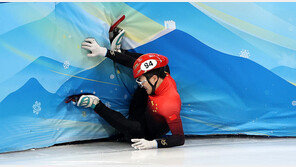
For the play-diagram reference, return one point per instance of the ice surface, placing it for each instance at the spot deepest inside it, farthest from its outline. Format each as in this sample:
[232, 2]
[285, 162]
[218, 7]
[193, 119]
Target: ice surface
[196, 152]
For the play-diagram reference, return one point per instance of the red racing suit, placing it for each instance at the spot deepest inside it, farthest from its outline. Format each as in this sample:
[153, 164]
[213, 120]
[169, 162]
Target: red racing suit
[150, 117]
[167, 103]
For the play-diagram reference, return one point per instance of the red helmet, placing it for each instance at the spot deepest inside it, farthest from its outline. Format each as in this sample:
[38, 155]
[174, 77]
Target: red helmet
[148, 62]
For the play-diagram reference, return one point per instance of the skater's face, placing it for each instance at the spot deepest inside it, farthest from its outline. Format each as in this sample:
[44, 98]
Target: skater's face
[142, 81]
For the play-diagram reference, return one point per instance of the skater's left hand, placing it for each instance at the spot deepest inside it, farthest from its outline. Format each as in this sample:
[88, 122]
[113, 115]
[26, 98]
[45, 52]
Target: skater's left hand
[142, 144]
[88, 101]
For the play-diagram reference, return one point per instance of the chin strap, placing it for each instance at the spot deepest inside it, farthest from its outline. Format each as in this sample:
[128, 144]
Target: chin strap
[153, 86]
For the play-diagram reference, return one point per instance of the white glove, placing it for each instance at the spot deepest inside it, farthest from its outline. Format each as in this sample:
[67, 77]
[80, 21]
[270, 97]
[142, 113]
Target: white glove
[88, 101]
[95, 49]
[142, 144]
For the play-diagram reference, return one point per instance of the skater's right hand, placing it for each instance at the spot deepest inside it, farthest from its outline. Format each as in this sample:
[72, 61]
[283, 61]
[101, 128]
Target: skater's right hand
[95, 49]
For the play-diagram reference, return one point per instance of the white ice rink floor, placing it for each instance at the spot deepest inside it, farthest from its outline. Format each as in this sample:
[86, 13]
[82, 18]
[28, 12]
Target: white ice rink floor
[204, 152]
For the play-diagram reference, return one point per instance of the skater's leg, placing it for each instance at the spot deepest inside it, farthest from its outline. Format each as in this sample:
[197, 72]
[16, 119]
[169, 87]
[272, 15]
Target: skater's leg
[126, 126]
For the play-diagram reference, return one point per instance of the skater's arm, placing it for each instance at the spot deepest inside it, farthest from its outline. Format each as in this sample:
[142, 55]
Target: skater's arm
[171, 113]
[132, 54]
[176, 139]
[121, 58]
[125, 58]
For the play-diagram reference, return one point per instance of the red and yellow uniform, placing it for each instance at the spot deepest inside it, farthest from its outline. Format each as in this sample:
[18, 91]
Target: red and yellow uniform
[167, 103]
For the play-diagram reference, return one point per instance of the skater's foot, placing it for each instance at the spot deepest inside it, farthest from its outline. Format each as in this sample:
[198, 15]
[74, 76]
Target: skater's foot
[115, 37]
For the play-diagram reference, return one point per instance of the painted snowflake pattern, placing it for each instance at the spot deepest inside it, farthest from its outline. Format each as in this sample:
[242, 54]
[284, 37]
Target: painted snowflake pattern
[125, 96]
[66, 64]
[294, 103]
[244, 53]
[170, 24]
[112, 76]
[108, 104]
[36, 107]
[67, 89]
[84, 114]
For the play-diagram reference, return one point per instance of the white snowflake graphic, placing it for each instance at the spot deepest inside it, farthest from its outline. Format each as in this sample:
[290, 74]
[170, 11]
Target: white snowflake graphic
[170, 24]
[108, 104]
[66, 64]
[112, 76]
[36, 107]
[294, 103]
[67, 89]
[84, 114]
[244, 53]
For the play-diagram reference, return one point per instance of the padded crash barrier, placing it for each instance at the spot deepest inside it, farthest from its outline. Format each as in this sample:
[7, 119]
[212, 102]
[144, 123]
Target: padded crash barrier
[235, 70]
